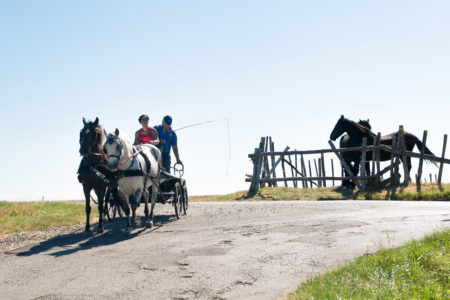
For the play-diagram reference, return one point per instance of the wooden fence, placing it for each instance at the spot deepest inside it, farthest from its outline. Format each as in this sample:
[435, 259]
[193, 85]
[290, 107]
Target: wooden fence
[299, 171]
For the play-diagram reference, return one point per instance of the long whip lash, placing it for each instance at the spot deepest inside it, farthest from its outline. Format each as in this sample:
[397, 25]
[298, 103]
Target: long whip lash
[228, 131]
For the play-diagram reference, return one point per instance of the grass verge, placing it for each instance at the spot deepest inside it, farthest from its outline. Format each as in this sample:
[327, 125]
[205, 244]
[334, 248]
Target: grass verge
[418, 270]
[31, 216]
[428, 192]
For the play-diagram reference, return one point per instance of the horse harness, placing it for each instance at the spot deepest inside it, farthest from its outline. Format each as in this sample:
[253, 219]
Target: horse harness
[136, 151]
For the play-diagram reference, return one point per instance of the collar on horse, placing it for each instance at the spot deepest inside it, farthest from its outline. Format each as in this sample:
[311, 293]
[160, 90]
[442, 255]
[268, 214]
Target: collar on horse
[136, 151]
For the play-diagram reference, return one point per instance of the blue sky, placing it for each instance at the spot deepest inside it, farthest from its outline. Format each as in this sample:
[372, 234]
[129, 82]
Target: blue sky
[287, 69]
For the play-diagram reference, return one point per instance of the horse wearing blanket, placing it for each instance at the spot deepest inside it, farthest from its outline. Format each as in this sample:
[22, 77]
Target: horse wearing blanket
[139, 169]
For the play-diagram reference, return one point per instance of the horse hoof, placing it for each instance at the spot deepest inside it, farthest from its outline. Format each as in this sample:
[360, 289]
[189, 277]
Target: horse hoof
[149, 224]
[88, 233]
[100, 230]
[127, 232]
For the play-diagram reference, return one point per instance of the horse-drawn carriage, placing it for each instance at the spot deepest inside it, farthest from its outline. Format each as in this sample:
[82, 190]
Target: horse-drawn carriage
[132, 175]
[172, 190]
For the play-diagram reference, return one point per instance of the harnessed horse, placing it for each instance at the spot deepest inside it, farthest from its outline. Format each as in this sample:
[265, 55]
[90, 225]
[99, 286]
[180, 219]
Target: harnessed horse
[139, 169]
[90, 175]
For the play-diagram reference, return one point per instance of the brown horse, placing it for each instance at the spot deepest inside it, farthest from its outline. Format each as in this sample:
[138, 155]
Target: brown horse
[90, 172]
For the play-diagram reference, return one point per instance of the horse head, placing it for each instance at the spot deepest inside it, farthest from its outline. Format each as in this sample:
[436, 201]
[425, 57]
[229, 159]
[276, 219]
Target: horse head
[113, 149]
[338, 129]
[90, 137]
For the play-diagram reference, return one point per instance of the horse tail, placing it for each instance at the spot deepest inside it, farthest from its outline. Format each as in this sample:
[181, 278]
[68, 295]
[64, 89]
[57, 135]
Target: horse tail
[419, 145]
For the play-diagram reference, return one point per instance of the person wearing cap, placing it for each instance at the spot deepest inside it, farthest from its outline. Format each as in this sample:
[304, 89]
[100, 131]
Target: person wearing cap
[146, 135]
[167, 142]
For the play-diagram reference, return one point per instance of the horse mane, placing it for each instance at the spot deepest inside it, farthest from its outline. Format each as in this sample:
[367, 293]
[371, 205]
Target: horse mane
[364, 130]
[99, 130]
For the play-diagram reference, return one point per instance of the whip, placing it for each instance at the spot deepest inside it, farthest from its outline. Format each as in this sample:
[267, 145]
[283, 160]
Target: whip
[228, 131]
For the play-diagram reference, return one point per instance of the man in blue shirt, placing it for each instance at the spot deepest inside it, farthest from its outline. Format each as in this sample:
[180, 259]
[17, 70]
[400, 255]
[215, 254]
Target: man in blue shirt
[167, 141]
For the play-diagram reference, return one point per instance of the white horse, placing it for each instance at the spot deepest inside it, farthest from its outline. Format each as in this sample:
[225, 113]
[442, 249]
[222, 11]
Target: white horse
[135, 172]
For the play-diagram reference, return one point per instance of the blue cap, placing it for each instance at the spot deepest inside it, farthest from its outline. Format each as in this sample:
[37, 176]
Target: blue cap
[168, 120]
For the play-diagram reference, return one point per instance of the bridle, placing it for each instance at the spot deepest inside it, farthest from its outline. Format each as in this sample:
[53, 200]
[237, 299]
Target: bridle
[95, 140]
[114, 139]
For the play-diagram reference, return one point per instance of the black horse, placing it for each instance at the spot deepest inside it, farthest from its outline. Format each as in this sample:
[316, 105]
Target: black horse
[357, 132]
[353, 158]
[90, 173]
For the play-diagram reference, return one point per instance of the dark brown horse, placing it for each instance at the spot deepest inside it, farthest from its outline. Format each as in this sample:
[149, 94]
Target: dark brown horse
[90, 173]
[357, 132]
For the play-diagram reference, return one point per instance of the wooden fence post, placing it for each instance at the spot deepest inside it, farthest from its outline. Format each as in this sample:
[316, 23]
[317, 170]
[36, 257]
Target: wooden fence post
[393, 157]
[403, 155]
[292, 172]
[419, 171]
[319, 183]
[374, 156]
[310, 172]
[284, 172]
[441, 167]
[323, 169]
[363, 165]
[332, 170]
[272, 158]
[304, 170]
[378, 157]
[262, 145]
[344, 164]
[254, 187]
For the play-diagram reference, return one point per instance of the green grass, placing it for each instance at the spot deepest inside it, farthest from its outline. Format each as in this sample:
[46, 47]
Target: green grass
[31, 216]
[428, 192]
[418, 270]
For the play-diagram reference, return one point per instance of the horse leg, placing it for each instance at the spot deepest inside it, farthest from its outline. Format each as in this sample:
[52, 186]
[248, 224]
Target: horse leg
[126, 210]
[145, 194]
[154, 195]
[101, 196]
[354, 168]
[135, 204]
[409, 168]
[87, 196]
[346, 182]
[133, 212]
[367, 168]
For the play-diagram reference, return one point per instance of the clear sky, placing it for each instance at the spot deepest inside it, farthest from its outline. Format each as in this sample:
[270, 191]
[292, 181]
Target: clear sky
[287, 69]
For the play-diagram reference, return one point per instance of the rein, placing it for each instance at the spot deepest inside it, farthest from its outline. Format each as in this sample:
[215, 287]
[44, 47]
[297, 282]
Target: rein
[131, 156]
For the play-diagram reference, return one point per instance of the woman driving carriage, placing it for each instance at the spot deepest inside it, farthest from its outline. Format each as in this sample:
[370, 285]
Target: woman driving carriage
[146, 135]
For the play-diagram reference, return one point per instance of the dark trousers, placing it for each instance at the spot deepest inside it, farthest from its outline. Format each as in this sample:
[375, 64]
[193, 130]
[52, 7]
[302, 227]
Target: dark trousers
[166, 161]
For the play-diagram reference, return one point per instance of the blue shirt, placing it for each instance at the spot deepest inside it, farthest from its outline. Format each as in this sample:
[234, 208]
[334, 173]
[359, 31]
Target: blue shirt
[169, 137]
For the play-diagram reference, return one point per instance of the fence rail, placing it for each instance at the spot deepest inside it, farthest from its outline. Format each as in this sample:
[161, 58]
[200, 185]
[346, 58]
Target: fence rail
[266, 161]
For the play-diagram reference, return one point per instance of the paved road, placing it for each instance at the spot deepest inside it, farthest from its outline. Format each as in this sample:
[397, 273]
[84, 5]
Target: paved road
[258, 250]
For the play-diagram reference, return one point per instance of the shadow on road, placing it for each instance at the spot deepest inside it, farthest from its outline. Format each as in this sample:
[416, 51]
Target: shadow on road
[71, 243]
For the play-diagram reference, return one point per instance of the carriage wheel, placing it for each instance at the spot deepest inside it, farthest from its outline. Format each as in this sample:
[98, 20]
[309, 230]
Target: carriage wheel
[178, 199]
[185, 199]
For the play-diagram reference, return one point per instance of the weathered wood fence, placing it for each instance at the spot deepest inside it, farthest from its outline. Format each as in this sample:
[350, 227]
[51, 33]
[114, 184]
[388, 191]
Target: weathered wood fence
[299, 171]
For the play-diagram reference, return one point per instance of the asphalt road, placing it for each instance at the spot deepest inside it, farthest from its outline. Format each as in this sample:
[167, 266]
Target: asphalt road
[247, 250]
